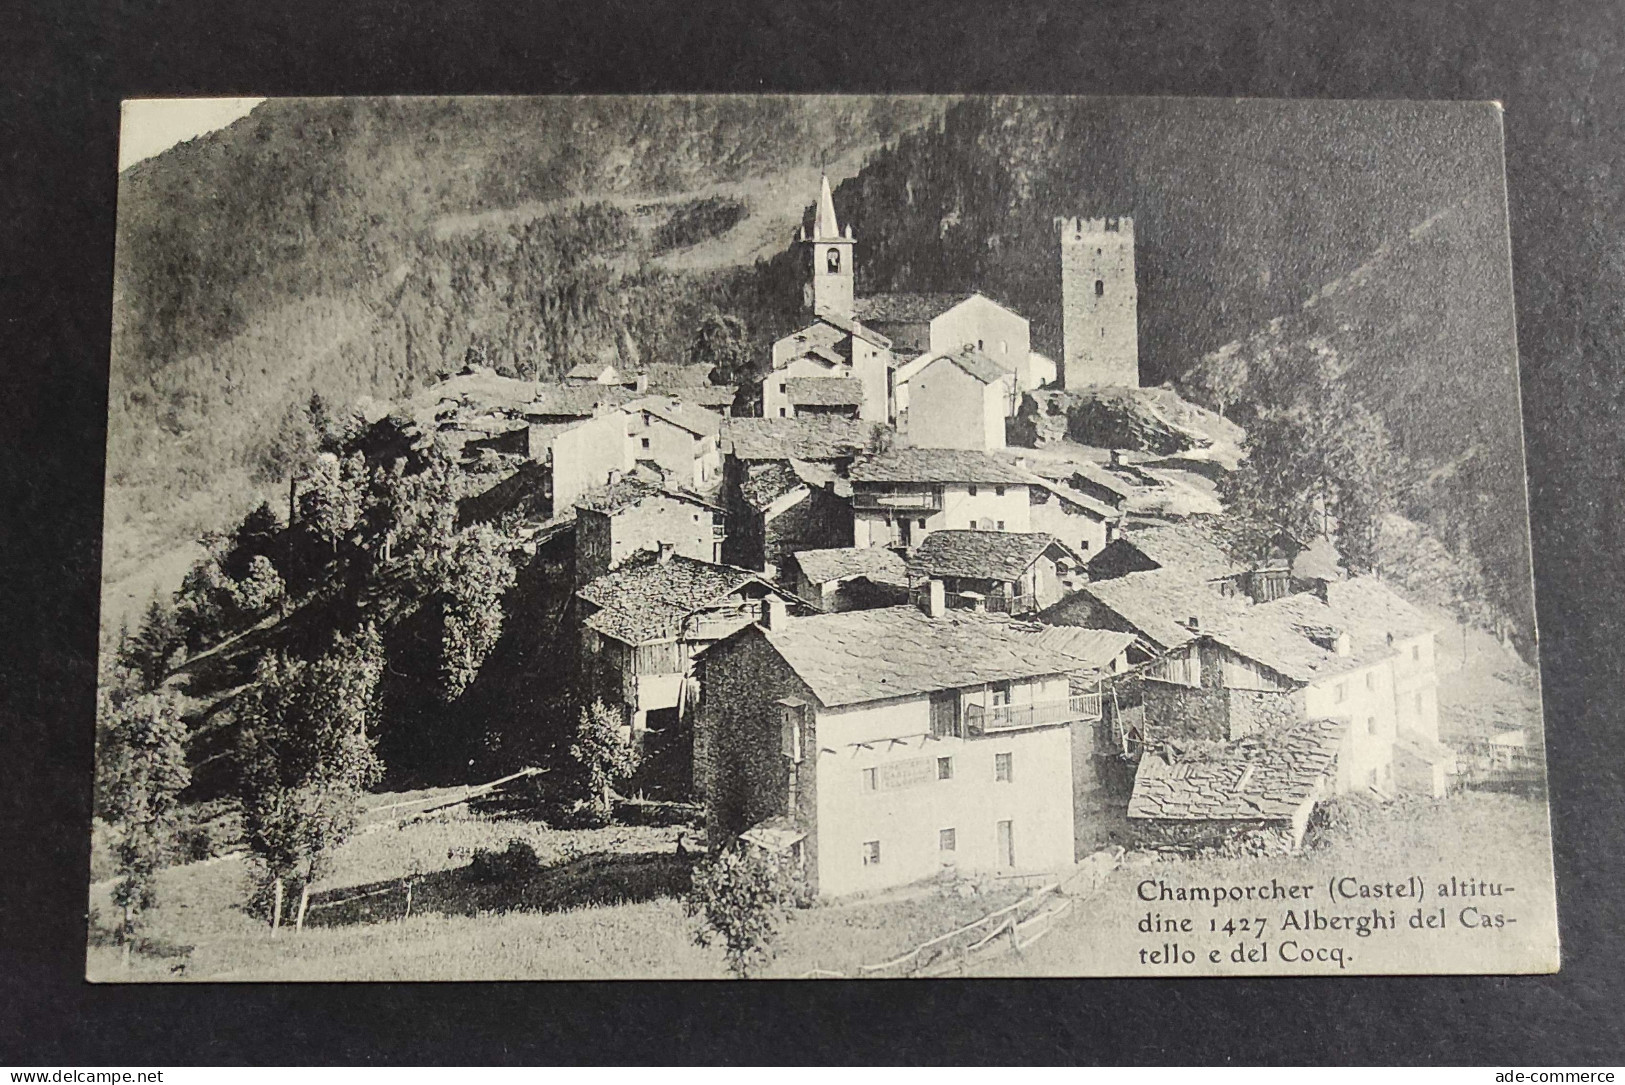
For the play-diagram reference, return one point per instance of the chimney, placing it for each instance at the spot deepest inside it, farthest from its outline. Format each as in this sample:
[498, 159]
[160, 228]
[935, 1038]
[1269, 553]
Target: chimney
[1117, 457]
[640, 383]
[775, 614]
[1021, 462]
[1342, 645]
[665, 550]
[936, 599]
[614, 475]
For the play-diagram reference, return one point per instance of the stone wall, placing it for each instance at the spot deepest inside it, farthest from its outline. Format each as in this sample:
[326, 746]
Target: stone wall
[740, 770]
[1099, 303]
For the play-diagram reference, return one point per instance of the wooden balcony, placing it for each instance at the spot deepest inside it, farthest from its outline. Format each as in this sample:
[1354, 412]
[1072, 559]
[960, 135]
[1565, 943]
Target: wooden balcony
[898, 500]
[1014, 717]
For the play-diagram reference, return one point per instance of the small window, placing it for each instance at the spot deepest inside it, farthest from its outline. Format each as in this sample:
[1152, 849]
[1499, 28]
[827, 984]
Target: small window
[998, 491]
[922, 523]
[646, 442]
[781, 388]
[791, 723]
[871, 853]
[1340, 692]
[1002, 766]
[1370, 679]
[978, 344]
[945, 840]
[1371, 725]
[696, 517]
[782, 413]
[973, 490]
[871, 779]
[832, 261]
[1001, 525]
[1100, 288]
[945, 768]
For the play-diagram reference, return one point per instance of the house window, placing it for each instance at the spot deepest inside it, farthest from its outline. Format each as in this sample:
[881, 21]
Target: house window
[945, 768]
[871, 779]
[832, 261]
[998, 491]
[1340, 692]
[1371, 725]
[1001, 525]
[978, 344]
[945, 840]
[1100, 288]
[646, 442]
[973, 490]
[782, 413]
[1003, 764]
[1001, 693]
[792, 715]
[871, 853]
[922, 523]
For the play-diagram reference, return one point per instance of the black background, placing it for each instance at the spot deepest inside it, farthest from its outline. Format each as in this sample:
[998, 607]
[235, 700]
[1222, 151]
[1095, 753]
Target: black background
[1559, 67]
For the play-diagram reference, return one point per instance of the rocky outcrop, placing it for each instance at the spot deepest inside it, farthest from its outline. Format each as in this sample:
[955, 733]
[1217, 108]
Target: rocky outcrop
[1154, 420]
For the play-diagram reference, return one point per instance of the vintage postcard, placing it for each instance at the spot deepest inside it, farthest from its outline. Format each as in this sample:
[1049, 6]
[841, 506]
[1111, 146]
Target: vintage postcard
[693, 537]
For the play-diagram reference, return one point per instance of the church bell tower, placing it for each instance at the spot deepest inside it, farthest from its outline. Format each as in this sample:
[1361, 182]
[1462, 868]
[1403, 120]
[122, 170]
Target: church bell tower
[831, 255]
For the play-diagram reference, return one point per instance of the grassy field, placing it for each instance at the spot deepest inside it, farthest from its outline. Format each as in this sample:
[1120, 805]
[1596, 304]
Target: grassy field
[605, 904]
[1477, 835]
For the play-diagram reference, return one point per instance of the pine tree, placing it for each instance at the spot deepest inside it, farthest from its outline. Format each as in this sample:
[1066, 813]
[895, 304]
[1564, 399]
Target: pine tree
[140, 772]
[478, 573]
[604, 756]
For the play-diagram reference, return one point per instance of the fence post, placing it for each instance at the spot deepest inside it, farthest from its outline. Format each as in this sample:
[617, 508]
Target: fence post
[276, 908]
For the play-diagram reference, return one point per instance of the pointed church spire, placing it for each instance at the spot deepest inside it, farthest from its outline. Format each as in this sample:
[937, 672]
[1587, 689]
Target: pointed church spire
[824, 225]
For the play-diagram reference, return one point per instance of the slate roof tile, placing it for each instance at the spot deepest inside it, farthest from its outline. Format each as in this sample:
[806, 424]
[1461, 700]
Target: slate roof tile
[824, 391]
[825, 437]
[875, 562]
[937, 465]
[988, 555]
[647, 598]
[1267, 776]
[868, 655]
[906, 308]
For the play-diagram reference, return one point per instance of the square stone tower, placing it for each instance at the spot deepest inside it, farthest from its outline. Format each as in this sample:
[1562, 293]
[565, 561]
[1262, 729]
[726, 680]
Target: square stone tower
[1099, 303]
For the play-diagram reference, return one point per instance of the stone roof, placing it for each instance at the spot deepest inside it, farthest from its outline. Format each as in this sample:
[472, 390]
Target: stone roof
[875, 562]
[906, 308]
[689, 416]
[871, 655]
[824, 391]
[591, 371]
[1063, 492]
[1265, 776]
[937, 465]
[708, 395]
[853, 327]
[1281, 634]
[632, 490]
[984, 555]
[1096, 647]
[1159, 602]
[647, 598]
[765, 483]
[575, 400]
[676, 376]
[1188, 546]
[826, 437]
[975, 363]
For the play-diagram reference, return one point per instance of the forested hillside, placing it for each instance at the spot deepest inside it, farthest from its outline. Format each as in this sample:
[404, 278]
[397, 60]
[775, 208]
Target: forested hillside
[350, 248]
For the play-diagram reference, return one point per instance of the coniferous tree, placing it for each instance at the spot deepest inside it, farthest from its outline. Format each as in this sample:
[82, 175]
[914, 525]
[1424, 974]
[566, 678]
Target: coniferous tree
[140, 772]
[604, 756]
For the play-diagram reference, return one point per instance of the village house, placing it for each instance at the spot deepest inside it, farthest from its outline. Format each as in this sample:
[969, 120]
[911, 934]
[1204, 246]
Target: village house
[1082, 522]
[885, 746]
[1006, 572]
[901, 496]
[956, 400]
[938, 324]
[633, 514]
[1187, 546]
[783, 487]
[681, 439]
[848, 578]
[808, 363]
[594, 373]
[811, 396]
[1089, 479]
[643, 621]
[581, 455]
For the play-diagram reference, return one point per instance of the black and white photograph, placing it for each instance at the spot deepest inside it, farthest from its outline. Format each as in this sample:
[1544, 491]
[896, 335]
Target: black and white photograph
[815, 537]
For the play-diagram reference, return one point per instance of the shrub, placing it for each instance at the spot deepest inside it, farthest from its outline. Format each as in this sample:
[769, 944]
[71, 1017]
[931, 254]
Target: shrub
[741, 896]
[1340, 819]
[518, 860]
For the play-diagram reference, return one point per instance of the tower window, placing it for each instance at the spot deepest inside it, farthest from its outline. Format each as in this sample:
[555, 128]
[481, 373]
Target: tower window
[1100, 287]
[832, 261]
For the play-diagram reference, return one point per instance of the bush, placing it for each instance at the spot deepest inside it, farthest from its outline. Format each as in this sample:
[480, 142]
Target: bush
[1341, 819]
[741, 896]
[518, 860]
